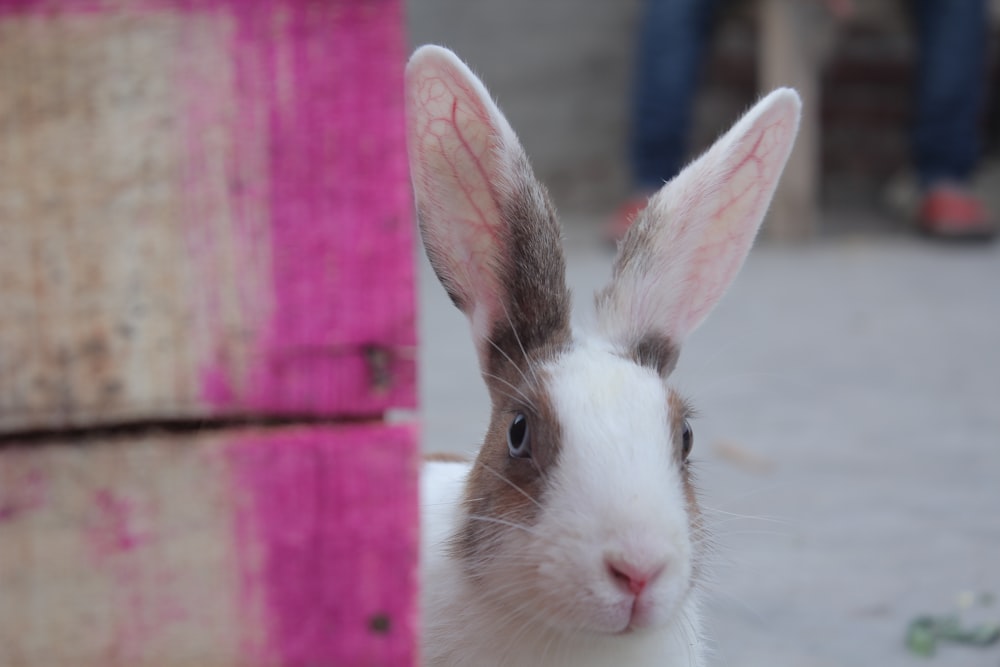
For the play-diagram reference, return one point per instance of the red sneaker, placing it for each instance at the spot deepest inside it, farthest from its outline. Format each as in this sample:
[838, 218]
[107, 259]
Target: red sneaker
[624, 217]
[951, 212]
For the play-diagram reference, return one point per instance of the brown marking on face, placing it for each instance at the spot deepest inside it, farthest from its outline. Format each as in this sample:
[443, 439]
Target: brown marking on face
[444, 457]
[680, 411]
[657, 352]
[528, 327]
[504, 487]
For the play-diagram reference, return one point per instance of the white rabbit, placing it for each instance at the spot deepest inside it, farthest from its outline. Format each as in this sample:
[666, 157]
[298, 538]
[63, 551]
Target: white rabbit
[575, 537]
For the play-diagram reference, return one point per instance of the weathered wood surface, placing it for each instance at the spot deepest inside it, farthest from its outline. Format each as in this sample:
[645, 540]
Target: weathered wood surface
[258, 547]
[793, 34]
[204, 210]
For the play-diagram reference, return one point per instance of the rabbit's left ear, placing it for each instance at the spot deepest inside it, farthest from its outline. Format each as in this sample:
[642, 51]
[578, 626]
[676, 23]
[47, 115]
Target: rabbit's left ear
[490, 231]
[685, 248]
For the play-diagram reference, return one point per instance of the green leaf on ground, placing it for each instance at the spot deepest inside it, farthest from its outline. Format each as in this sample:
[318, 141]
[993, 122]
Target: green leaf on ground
[924, 633]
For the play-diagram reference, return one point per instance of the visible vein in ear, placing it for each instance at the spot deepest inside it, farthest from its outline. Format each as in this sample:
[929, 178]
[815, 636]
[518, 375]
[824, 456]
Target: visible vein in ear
[753, 182]
[746, 188]
[484, 184]
[451, 112]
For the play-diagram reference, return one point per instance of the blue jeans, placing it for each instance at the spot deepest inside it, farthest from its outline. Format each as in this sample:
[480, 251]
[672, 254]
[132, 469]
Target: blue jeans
[672, 39]
[951, 36]
[950, 88]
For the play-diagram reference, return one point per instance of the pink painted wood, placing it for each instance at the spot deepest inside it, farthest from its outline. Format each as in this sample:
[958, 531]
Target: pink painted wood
[246, 240]
[282, 547]
[333, 517]
[259, 172]
[327, 79]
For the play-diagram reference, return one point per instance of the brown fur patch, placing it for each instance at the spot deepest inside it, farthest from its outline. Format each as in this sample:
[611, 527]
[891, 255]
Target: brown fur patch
[527, 262]
[634, 250]
[531, 326]
[532, 270]
[680, 411]
[503, 487]
[656, 352]
[533, 329]
[445, 457]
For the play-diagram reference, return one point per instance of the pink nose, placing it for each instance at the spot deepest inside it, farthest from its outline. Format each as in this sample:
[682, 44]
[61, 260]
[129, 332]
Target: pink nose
[633, 578]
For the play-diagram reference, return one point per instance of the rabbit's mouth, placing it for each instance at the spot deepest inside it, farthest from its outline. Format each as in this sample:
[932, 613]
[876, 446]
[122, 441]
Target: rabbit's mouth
[640, 614]
[638, 618]
[654, 606]
[600, 605]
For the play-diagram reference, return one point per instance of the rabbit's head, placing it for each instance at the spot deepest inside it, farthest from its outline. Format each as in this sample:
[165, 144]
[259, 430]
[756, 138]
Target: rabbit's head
[579, 513]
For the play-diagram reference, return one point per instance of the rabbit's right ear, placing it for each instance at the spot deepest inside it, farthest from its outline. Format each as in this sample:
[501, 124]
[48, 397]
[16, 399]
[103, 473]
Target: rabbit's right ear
[489, 229]
[683, 251]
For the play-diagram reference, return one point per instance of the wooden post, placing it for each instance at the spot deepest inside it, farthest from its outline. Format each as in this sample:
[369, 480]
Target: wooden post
[792, 37]
[206, 311]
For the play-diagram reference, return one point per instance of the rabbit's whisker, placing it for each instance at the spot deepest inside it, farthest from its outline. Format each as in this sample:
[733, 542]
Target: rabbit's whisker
[752, 517]
[502, 522]
[512, 485]
[517, 337]
[529, 403]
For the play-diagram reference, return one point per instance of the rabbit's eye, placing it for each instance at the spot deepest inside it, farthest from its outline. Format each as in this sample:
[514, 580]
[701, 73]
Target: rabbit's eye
[517, 437]
[687, 440]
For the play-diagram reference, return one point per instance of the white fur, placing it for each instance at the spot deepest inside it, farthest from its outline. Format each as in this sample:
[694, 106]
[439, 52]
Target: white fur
[616, 492]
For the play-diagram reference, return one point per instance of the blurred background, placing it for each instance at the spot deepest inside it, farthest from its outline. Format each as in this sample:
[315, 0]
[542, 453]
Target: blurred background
[563, 74]
[848, 387]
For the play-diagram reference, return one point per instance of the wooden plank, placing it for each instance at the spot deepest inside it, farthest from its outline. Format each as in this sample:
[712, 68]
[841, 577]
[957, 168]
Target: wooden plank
[792, 37]
[261, 547]
[204, 211]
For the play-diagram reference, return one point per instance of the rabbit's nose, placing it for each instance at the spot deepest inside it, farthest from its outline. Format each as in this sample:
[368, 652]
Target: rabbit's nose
[630, 577]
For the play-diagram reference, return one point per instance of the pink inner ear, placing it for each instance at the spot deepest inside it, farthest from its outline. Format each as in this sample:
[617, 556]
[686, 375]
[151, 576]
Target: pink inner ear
[741, 201]
[454, 143]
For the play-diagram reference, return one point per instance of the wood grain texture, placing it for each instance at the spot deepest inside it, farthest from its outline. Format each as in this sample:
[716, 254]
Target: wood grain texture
[204, 211]
[252, 548]
[790, 56]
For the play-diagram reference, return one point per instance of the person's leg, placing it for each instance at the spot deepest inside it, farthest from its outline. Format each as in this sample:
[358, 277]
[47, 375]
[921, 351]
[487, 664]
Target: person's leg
[951, 36]
[672, 37]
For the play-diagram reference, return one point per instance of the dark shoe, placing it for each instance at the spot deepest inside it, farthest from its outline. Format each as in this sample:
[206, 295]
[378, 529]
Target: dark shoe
[950, 212]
